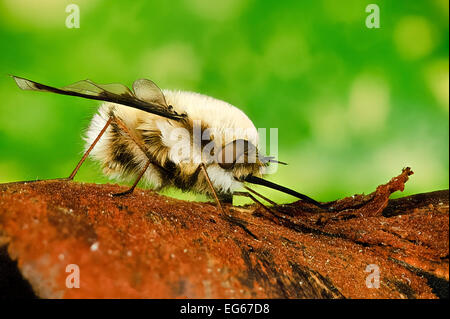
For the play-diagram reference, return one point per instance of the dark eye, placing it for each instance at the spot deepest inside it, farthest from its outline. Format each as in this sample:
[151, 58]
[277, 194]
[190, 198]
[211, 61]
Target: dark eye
[238, 151]
[226, 165]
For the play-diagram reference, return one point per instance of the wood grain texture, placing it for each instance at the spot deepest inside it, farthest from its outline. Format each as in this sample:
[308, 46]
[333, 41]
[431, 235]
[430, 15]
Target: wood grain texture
[147, 245]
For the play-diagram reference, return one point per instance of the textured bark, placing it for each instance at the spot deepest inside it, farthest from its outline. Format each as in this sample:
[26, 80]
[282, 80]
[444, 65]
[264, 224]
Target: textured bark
[147, 245]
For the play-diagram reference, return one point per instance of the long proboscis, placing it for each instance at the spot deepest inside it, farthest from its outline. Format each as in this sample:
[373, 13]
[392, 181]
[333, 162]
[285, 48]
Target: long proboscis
[259, 181]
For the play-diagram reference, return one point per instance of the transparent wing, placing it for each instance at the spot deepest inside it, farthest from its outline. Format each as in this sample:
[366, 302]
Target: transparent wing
[148, 91]
[116, 93]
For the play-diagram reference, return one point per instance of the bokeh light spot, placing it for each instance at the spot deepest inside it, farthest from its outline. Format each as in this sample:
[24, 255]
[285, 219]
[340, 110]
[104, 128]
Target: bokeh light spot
[328, 123]
[42, 14]
[172, 64]
[368, 103]
[216, 10]
[437, 77]
[413, 37]
[350, 11]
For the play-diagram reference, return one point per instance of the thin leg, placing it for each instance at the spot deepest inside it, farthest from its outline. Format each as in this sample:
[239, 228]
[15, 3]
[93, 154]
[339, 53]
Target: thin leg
[138, 142]
[263, 197]
[75, 171]
[253, 198]
[131, 189]
[232, 220]
[270, 211]
[203, 167]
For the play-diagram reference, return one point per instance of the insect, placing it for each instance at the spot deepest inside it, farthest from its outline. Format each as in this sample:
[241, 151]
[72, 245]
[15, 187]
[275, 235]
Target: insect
[132, 136]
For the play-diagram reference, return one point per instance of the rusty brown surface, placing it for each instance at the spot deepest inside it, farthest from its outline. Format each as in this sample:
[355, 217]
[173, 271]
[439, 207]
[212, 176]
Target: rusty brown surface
[150, 246]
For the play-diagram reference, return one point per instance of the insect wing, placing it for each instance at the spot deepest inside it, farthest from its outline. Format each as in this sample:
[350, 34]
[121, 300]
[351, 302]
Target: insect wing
[148, 91]
[116, 93]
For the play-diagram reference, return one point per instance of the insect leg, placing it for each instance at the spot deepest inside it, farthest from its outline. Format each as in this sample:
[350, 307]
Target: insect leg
[253, 198]
[136, 140]
[131, 189]
[75, 171]
[269, 210]
[203, 167]
[141, 146]
[263, 197]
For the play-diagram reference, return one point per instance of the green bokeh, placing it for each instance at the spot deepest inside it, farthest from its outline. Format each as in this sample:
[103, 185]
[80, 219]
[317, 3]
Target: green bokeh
[353, 105]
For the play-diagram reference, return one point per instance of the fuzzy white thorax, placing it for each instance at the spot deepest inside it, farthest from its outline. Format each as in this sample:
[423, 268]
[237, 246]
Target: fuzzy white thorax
[216, 114]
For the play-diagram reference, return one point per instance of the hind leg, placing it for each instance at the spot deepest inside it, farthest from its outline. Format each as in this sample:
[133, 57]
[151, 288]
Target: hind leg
[86, 154]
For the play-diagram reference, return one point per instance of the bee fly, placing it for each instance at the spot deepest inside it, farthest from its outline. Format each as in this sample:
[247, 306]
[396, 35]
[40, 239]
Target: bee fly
[132, 136]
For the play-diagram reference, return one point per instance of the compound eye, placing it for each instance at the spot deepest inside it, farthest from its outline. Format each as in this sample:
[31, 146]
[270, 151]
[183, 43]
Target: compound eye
[226, 165]
[226, 158]
[234, 152]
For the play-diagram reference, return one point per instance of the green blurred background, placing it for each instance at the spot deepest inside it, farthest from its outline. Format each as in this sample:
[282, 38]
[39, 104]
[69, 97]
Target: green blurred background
[353, 105]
